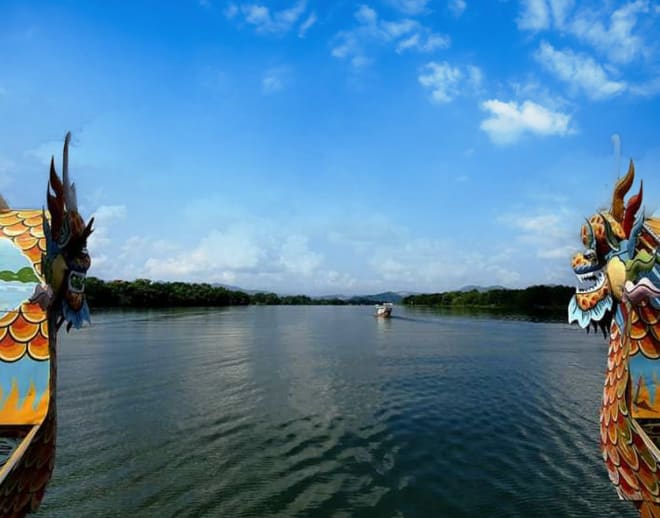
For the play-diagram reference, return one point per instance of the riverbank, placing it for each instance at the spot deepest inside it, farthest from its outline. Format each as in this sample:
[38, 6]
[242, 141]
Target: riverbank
[144, 293]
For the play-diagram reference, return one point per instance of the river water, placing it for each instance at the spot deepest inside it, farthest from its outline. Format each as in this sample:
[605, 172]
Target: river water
[328, 411]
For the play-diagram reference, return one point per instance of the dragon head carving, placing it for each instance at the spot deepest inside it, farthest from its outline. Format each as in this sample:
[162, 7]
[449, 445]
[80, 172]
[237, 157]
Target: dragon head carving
[609, 238]
[66, 260]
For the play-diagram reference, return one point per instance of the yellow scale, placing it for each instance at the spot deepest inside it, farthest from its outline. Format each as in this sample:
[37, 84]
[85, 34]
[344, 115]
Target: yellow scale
[23, 338]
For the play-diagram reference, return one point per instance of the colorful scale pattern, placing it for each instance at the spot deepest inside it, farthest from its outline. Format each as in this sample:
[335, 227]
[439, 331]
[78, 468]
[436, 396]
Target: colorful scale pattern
[25, 330]
[631, 466]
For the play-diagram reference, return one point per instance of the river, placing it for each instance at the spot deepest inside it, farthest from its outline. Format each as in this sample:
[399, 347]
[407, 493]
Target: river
[328, 411]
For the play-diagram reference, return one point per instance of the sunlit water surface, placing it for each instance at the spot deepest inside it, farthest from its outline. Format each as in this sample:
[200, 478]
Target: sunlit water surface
[328, 411]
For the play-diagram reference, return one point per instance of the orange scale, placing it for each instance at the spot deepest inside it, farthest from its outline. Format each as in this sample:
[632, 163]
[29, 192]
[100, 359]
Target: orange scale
[603, 433]
[620, 390]
[650, 347]
[612, 432]
[614, 410]
[38, 232]
[8, 318]
[15, 230]
[22, 330]
[638, 330]
[43, 328]
[8, 219]
[633, 316]
[634, 348]
[33, 313]
[29, 213]
[25, 241]
[648, 314]
[629, 492]
[620, 371]
[10, 350]
[614, 475]
[38, 348]
[628, 455]
[655, 331]
[629, 476]
[612, 454]
[647, 477]
[32, 250]
[34, 221]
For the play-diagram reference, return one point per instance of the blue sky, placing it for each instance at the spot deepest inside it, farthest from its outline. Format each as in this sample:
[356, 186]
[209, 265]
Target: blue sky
[332, 147]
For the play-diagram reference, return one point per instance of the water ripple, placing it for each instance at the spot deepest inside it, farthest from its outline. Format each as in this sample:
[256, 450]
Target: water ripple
[326, 411]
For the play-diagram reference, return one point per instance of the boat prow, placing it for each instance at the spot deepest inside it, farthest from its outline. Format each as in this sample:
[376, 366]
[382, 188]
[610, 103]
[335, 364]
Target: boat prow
[384, 310]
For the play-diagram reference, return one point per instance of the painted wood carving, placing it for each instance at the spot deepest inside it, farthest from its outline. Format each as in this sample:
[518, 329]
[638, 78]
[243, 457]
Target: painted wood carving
[621, 269]
[43, 262]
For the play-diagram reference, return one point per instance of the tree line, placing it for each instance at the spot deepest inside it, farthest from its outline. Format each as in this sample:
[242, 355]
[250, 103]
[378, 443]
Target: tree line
[534, 298]
[146, 293]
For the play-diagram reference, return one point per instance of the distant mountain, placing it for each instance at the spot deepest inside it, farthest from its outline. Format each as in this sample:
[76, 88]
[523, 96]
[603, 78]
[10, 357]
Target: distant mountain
[387, 296]
[235, 288]
[481, 289]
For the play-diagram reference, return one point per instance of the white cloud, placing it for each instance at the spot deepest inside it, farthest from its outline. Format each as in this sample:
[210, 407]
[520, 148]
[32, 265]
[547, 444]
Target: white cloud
[306, 25]
[618, 38]
[403, 34]
[509, 121]
[447, 82]
[366, 15]
[560, 10]
[538, 15]
[100, 243]
[615, 33]
[457, 7]
[647, 88]
[579, 70]
[267, 21]
[256, 14]
[297, 258]
[412, 7]
[535, 15]
[110, 212]
[423, 43]
[274, 80]
[551, 234]
[217, 253]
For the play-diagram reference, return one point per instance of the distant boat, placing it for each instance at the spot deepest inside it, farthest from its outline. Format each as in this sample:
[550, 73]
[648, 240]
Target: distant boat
[384, 310]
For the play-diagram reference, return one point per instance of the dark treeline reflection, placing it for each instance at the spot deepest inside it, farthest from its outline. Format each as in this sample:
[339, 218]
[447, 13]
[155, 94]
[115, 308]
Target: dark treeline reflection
[532, 299]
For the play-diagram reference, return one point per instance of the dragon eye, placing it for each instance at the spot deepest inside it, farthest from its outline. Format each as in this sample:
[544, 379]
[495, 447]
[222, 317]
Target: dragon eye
[590, 254]
[76, 282]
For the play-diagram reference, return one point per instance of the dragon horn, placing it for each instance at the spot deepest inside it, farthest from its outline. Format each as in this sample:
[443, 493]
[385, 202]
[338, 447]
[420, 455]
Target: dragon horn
[88, 229]
[620, 189]
[592, 240]
[69, 192]
[631, 209]
[55, 182]
[612, 240]
[55, 203]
